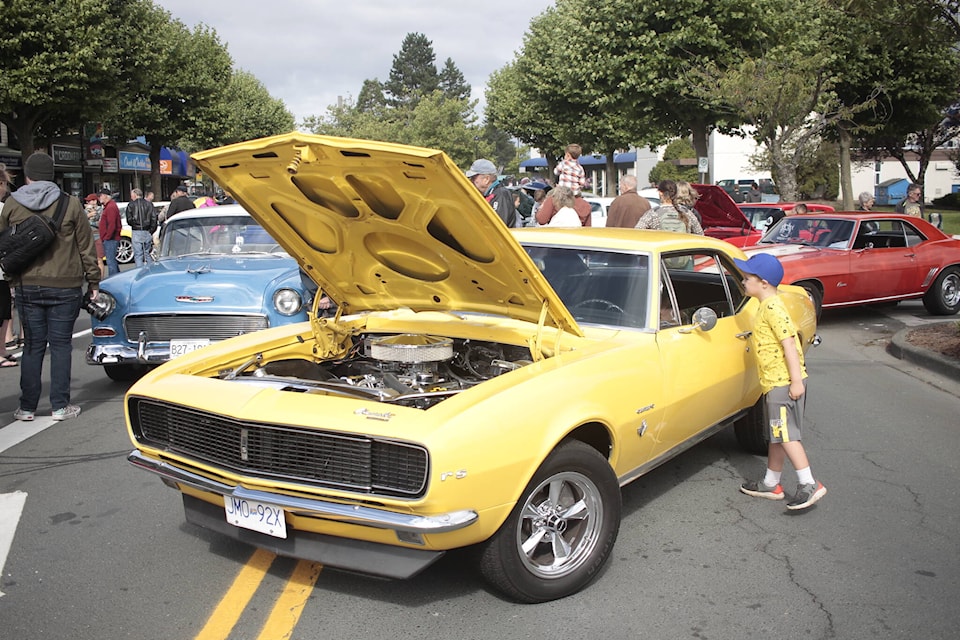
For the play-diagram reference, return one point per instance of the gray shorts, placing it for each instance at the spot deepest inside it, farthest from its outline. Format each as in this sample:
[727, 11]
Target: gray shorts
[784, 416]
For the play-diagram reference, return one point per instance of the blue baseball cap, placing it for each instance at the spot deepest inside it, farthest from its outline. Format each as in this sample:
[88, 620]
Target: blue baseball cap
[764, 266]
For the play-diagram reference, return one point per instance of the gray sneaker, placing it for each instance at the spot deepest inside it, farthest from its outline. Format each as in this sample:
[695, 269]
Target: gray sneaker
[69, 411]
[757, 489]
[807, 495]
[20, 414]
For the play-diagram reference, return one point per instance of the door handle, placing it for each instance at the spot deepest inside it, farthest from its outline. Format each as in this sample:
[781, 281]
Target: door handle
[743, 335]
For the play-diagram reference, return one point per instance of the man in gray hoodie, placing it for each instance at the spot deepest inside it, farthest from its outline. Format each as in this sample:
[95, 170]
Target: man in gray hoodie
[49, 292]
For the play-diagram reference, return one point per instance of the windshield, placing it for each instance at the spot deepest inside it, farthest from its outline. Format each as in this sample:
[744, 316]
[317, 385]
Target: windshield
[216, 235]
[812, 231]
[598, 287]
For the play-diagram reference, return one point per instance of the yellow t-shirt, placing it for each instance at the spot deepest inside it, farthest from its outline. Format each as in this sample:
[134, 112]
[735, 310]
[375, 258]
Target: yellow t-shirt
[772, 325]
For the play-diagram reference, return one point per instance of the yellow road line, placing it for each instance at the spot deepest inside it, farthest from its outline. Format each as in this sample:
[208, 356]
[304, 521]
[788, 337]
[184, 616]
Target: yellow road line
[235, 600]
[286, 612]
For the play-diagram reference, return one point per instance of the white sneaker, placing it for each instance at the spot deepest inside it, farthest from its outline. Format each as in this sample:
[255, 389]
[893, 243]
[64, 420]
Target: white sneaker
[20, 414]
[69, 411]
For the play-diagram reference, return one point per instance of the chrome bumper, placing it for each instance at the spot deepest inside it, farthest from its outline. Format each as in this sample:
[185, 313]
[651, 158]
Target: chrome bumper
[100, 354]
[344, 513]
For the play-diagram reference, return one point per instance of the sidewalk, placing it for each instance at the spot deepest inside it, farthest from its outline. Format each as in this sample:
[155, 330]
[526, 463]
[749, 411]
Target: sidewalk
[900, 348]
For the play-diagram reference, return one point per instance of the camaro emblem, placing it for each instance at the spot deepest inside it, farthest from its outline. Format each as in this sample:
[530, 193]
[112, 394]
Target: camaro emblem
[195, 299]
[244, 445]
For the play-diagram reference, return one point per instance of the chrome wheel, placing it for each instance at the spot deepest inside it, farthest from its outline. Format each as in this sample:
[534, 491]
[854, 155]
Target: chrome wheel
[561, 530]
[950, 289]
[560, 525]
[125, 251]
[943, 297]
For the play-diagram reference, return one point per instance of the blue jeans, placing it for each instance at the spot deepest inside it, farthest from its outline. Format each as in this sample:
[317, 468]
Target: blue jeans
[47, 315]
[142, 246]
[110, 249]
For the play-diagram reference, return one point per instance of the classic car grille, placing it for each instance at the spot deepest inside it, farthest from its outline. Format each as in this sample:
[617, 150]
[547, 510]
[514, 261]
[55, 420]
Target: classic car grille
[341, 461]
[186, 326]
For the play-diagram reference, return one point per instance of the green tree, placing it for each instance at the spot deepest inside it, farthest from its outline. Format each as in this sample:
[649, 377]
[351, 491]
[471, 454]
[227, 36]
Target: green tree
[786, 92]
[253, 112]
[371, 96]
[901, 65]
[642, 56]
[59, 64]
[670, 168]
[414, 71]
[452, 82]
[920, 83]
[173, 84]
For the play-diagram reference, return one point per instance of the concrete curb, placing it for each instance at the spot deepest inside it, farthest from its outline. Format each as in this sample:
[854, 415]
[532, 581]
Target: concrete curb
[900, 348]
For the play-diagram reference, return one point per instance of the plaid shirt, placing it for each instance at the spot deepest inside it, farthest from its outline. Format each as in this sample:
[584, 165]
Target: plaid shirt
[571, 174]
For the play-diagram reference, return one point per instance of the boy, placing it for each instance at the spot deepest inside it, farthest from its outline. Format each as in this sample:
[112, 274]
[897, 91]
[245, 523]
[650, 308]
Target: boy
[569, 172]
[782, 373]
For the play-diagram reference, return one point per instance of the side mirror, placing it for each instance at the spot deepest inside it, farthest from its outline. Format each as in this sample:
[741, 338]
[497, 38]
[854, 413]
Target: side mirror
[704, 319]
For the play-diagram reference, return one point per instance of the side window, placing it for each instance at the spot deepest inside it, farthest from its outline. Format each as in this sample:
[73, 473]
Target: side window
[700, 279]
[913, 236]
[887, 234]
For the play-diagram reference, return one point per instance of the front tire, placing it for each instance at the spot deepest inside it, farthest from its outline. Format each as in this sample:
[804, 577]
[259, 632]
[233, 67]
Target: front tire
[561, 531]
[943, 297]
[815, 294]
[125, 372]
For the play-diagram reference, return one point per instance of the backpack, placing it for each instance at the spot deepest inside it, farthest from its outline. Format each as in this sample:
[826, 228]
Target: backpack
[22, 243]
[670, 220]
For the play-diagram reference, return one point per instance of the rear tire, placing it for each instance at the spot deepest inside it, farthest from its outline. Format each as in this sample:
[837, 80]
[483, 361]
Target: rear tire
[943, 297]
[560, 532]
[751, 430]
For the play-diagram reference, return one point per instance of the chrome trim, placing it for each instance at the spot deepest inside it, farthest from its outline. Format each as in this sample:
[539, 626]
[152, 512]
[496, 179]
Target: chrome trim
[650, 465]
[100, 354]
[343, 513]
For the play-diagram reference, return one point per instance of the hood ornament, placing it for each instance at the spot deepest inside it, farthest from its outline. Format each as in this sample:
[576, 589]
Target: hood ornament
[194, 299]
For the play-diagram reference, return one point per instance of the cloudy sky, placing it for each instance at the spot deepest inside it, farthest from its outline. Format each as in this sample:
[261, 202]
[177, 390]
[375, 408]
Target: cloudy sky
[310, 52]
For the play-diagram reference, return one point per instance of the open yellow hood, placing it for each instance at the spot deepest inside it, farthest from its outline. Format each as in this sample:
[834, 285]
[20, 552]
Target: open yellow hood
[382, 226]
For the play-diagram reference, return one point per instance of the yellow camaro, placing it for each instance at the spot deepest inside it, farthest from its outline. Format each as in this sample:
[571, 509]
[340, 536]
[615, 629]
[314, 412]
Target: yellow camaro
[476, 386]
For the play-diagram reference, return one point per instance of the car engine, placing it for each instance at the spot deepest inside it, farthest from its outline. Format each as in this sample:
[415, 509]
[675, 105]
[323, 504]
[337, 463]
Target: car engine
[408, 369]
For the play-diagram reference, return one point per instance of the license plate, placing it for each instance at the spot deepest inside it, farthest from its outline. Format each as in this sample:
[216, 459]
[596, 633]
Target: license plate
[180, 347]
[257, 516]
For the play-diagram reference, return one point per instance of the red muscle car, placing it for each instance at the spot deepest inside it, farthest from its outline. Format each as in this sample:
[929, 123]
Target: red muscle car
[848, 259]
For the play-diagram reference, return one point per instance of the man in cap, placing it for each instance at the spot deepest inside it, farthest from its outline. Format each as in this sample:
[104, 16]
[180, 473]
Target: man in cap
[49, 292]
[178, 202]
[485, 177]
[109, 227]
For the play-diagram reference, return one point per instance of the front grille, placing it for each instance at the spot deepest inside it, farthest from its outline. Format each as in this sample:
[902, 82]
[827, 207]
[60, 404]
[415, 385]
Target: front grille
[163, 327]
[342, 461]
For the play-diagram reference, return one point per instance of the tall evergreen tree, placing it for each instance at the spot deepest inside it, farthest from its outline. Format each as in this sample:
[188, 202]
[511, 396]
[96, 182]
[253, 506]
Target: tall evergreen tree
[414, 71]
[452, 82]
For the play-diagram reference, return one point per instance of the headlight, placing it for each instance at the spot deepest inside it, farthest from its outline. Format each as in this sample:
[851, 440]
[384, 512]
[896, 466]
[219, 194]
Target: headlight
[287, 302]
[102, 307]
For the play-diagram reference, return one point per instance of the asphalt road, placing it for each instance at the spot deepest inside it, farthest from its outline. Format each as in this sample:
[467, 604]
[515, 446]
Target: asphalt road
[101, 550]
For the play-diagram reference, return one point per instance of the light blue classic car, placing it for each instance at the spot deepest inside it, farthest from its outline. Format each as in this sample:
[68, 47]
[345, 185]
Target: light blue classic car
[219, 274]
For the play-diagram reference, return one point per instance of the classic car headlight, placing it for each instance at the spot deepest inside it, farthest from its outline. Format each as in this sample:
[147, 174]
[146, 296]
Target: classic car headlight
[102, 307]
[287, 301]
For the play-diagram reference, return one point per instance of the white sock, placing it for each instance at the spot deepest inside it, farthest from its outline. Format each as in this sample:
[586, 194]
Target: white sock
[805, 476]
[772, 478]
